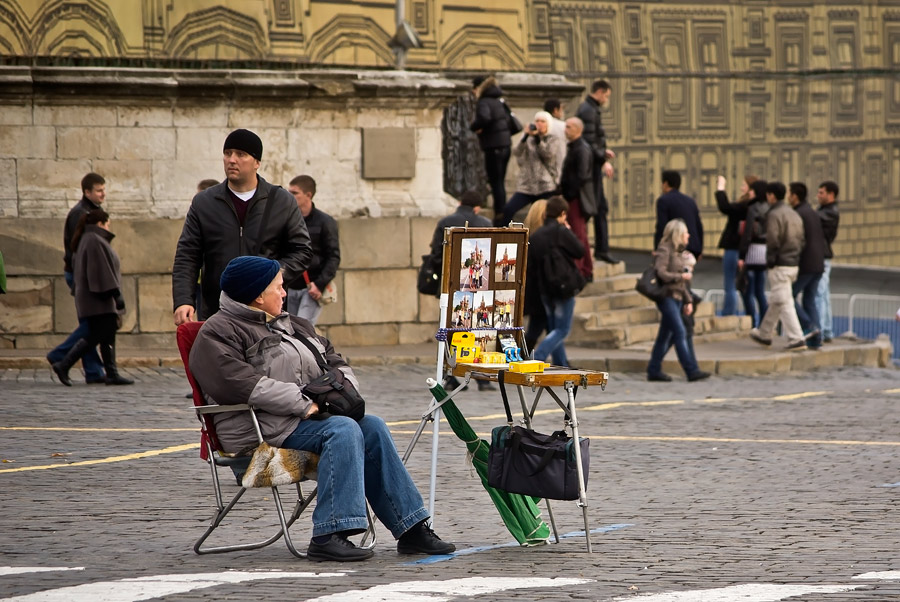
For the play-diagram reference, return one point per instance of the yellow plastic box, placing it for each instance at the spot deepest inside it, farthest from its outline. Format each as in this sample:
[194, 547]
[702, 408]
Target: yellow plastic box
[528, 366]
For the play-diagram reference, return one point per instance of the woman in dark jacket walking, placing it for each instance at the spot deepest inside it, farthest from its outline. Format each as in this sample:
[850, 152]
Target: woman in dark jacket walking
[555, 243]
[752, 253]
[730, 241]
[671, 270]
[492, 126]
[98, 296]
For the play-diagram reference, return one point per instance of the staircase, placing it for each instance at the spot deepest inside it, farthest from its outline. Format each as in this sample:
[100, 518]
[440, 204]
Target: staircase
[610, 314]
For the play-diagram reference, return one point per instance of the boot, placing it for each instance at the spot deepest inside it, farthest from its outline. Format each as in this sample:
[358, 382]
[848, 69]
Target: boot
[108, 353]
[62, 367]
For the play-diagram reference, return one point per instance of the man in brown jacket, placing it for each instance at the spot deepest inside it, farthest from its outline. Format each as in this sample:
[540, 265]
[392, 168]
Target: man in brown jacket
[784, 242]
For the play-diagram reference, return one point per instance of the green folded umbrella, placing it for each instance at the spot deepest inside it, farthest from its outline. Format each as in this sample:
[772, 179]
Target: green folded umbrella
[520, 513]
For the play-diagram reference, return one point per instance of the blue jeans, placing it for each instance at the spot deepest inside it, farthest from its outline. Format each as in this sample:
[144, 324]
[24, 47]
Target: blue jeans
[358, 462]
[93, 367]
[808, 284]
[559, 323]
[729, 271]
[755, 303]
[671, 331]
[823, 302]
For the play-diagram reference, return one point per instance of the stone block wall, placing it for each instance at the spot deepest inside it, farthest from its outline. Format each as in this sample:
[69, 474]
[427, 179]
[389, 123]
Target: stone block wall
[377, 298]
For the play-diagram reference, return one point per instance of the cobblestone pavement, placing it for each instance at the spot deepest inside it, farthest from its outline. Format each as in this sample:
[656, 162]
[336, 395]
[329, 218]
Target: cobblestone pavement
[734, 482]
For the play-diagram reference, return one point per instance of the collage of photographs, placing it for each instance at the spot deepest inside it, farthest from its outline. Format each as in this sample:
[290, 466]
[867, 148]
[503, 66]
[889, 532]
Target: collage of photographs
[485, 301]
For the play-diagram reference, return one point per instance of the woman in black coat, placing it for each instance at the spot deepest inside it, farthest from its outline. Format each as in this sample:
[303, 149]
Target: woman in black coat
[98, 296]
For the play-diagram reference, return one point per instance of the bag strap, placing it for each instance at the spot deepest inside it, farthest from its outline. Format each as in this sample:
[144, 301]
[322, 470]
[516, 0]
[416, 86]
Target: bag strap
[501, 377]
[545, 458]
[320, 360]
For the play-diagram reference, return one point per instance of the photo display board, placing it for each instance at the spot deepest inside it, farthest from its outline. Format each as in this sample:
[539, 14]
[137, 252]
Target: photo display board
[484, 278]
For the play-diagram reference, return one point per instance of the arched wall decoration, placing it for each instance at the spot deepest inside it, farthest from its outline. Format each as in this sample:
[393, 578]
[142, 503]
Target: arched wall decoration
[481, 39]
[346, 31]
[94, 20]
[14, 37]
[216, 26]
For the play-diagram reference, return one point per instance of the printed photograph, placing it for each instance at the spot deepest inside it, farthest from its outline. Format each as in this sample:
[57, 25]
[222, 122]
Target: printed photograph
[483, 307]
[461, 311]
[486, 339]
[504, 308]
[505, 263]
[475, 257]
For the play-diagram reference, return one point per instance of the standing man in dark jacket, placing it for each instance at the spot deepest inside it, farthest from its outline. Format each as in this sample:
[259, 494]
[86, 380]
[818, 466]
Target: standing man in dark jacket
[244, 215]
[577, 187]
[303, 294]
[672, 204]
[492, 126]
[828, 214]
[595, 136]
[93, 193]
[812, 264]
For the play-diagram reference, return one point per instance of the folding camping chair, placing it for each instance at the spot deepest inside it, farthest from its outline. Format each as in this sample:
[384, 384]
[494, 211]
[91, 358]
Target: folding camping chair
[211, 451]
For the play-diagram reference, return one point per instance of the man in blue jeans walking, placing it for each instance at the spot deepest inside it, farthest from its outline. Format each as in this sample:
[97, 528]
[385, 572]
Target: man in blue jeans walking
[93, 193]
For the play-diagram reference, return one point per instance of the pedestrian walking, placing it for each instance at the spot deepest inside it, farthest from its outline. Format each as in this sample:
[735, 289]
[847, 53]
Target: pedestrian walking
[304, 295]
[98, 296]
[784, 243]
[810, 268]
[830, 217]
[93, 194]
[554, 250]
[668, 261]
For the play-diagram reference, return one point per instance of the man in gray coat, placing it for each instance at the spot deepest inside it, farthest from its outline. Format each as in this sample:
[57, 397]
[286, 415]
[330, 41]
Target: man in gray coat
[784, 243]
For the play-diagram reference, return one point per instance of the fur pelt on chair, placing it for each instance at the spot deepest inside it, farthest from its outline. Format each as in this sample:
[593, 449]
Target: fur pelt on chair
[273, 466]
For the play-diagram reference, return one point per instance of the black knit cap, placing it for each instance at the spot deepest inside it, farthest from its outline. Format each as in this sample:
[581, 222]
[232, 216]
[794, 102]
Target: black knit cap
[244, 140]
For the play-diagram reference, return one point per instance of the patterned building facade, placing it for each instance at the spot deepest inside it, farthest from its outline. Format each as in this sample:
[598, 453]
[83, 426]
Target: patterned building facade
[795, 91]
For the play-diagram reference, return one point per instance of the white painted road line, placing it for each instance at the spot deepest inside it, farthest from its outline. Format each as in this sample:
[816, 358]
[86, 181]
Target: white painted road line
[749, 592]
[155, 586]
[428, 591]
[18, 570]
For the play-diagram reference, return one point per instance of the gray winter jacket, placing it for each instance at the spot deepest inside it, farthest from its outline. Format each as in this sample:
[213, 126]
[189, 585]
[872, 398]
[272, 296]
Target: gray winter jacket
[242, 355]
[784, 236]
[538, 159]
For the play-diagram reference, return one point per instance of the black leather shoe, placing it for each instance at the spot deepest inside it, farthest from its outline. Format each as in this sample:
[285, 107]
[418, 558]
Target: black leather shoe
[659, 378]
[422, 540]
[62, 373]
[337, 549]
[484, 385]
[607, 258]
[699, 375]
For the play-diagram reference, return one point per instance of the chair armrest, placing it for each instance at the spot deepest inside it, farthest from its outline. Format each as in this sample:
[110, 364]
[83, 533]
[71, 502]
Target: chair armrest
[215, 409]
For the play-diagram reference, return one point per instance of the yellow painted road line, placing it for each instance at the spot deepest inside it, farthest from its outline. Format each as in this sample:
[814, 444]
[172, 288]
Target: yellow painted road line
[892, 391]
[77, 429]
[799, 395]
[110, 460]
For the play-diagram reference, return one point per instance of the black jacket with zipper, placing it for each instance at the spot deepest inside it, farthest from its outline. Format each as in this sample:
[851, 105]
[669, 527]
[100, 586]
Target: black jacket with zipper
[212, 236]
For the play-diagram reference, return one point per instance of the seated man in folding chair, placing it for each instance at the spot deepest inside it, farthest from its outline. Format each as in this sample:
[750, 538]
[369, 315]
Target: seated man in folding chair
[249, 352]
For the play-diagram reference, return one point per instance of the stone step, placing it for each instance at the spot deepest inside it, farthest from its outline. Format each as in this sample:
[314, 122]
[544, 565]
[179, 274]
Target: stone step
[606, 270]
[623, 335]
[609, 284]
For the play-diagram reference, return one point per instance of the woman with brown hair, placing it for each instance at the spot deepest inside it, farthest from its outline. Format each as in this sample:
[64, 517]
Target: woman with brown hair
[730, 241]
[98, 296]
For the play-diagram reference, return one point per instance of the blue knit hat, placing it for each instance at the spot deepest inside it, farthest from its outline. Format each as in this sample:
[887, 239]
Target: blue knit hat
[245, 278]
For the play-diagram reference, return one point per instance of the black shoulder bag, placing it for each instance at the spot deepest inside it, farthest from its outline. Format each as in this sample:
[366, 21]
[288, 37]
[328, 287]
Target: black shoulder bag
[332, 391]
[527, 462]
[560, 277]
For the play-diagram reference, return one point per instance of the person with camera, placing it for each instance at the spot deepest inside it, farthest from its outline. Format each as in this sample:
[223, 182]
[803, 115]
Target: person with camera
[250, 352]
[537, 154]
[97, 285]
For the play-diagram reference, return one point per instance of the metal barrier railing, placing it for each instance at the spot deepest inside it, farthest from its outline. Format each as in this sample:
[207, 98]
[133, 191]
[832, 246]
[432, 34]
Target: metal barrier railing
[859, 315]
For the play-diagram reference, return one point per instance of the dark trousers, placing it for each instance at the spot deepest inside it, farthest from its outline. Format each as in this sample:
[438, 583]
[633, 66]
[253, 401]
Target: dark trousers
[578, 223]
[102, 329]
[807, 312]
[495, 162]
[601, 226]
[519, 200]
